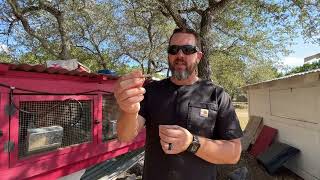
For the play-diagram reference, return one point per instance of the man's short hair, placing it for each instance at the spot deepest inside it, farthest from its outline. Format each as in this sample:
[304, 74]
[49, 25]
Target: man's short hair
[188, 31]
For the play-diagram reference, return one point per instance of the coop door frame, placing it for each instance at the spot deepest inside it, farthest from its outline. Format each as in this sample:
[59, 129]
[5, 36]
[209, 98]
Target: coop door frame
[61, 156]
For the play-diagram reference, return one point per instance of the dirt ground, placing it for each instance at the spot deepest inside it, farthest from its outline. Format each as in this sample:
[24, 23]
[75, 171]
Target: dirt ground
[255, 170]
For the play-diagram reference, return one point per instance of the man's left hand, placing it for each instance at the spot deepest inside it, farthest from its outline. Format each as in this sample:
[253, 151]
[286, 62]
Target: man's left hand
[179, 137]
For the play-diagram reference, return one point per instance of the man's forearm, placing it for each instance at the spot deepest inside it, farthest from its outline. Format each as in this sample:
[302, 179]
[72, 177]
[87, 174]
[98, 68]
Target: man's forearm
[127, 126]
[219, 151]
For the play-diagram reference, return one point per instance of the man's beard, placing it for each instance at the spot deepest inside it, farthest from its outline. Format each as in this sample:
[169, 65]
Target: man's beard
[185, 74]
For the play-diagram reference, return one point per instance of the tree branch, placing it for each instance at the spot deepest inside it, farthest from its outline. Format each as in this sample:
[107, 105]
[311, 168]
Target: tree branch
[218, 5]
[85, 47]
[8, 31]
[16, 11]
[192, 9]
[19, 13]
[233, 44]
[64, 53]
[132, 57]
[180, 22]
[30, 9]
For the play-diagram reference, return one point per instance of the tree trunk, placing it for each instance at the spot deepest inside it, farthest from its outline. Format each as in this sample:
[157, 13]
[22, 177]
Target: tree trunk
[102, 61]
[21, 15]
[204, 68]
[65, 44]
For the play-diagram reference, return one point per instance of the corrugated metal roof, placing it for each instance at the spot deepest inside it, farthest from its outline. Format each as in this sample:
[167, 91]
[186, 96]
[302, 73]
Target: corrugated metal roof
[285, 77]
[114, 167]
[40, 68]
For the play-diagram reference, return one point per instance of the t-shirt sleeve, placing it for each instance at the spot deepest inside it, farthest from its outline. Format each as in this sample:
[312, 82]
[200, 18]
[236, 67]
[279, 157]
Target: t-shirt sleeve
[227, 126]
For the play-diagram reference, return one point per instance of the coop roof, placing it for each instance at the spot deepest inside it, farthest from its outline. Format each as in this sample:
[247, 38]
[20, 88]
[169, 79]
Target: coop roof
[40, 68]
[289, 77]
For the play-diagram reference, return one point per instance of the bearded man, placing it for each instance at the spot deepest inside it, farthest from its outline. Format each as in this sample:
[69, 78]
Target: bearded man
[190, 123]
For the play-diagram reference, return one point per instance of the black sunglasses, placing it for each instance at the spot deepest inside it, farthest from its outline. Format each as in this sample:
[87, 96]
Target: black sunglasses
[186, 49]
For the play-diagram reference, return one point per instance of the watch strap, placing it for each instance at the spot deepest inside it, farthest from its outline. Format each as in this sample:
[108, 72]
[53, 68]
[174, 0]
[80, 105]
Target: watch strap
[195, 145]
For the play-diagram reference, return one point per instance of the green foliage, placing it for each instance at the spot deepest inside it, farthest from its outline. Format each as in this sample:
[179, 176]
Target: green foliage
[228, 72]
[35, 58]
[232, 73]
[305, 67]
[5, 58]
[242, 39]
[260, 71]
[86, 58]
[141, 35]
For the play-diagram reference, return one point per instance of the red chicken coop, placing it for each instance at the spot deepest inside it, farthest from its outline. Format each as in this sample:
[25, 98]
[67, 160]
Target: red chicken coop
[54, 122]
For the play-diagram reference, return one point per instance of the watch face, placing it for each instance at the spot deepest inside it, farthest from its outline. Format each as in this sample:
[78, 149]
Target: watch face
[194, 148]
[195, 145]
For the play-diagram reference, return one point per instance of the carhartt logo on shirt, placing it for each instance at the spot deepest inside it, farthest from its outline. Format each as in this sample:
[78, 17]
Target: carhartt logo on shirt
[204, 112]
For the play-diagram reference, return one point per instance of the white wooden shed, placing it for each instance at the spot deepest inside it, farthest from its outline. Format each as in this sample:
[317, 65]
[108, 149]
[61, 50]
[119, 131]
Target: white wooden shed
[291, 104]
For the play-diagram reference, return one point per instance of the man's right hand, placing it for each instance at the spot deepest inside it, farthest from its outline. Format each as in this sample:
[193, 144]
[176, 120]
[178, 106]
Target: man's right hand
[129, 92]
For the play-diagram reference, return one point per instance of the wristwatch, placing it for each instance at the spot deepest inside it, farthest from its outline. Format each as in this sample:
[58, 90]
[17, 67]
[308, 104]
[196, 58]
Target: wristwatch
[195, 145]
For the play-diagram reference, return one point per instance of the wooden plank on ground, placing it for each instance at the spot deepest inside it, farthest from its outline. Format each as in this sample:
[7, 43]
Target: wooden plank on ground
[264, 140]
[250, 131]
[258, 131]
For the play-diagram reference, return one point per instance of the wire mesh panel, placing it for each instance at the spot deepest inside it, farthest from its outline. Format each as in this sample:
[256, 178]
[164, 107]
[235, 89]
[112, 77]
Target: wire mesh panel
[72, 118]
[110, 115]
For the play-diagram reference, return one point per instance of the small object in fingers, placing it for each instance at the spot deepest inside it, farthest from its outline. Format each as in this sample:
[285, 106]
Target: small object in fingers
[170, 146]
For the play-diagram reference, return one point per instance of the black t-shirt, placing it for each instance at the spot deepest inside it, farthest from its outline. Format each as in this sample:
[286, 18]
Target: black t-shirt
[203, 108]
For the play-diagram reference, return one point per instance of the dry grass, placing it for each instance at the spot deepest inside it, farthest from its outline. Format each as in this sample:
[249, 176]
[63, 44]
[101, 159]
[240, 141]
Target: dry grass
[243, 117]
